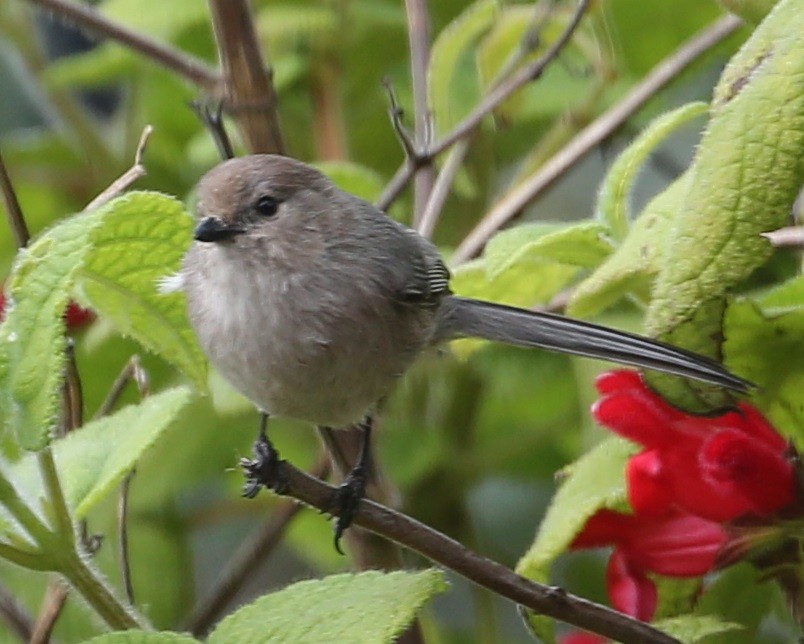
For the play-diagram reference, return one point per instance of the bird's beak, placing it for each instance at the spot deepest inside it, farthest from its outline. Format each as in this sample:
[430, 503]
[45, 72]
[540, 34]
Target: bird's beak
[212, 229]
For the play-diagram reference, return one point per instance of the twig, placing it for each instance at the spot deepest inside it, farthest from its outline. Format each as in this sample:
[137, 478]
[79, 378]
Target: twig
[440, 191]
[790, 237]
[419, 43]
[88, 18]
[493, 100]
[133, 371]
[16, 219]
[73, 392]
[243, 564]
[502, 92]
[134, 173]
[15, 614]
[52, 605]
[409, 533]
[250, 93]
[396, 113]
[601, 128]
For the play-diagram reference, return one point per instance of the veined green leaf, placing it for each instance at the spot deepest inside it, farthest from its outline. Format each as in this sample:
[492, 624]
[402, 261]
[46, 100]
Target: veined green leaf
[633, 266]
[595, 481]
[367, 607]
[695, 628]
[583, 244]
[614, 200]
[142, 240]
[746, 174]
[32, 334]
[94, 459]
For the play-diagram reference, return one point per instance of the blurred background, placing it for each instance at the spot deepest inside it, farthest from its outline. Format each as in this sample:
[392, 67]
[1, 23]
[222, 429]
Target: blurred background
[470, 443]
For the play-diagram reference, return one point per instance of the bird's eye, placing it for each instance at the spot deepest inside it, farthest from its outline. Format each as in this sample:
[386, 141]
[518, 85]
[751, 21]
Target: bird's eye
[266, 206]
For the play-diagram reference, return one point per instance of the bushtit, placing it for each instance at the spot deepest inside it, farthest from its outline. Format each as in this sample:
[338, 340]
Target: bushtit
[312, 302]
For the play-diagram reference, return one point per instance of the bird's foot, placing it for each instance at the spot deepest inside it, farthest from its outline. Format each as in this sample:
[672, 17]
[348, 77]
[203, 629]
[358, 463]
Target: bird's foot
[263, 469]
[346, 500]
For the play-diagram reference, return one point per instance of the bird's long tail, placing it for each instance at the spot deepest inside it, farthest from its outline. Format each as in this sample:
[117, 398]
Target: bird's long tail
[473, 318]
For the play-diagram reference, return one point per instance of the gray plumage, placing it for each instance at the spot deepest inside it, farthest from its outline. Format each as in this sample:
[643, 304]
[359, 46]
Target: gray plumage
[312, 302]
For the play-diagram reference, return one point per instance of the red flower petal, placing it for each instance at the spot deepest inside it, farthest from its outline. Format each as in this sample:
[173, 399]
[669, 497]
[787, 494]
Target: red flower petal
[676, 545]
[749, 469]
[604, 528]
[649, 491]
[630, 590]
[618, 380]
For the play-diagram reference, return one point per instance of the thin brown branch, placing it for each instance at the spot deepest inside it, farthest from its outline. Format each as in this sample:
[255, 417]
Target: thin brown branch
[498, 95]
[16, 219]
[596, 132]
[133, 174]
[440, 191]
[193, 69]
[52, 606]
[409, 533]
[419, 43]
[790, 237]
[504, 90]
[244, 563]
[122, 536]
[15, 614]
[250, 94]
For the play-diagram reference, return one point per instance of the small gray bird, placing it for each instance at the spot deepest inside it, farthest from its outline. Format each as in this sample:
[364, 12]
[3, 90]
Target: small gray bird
[313, 302]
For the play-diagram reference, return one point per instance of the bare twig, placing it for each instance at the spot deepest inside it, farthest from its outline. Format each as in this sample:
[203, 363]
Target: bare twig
[88, 18]
[491, 102]
[250, 93]
[134, 173]
[133, 371]
[504, 90]
[73, 392]
[243, 564]
[551, 601]
[15, 615]
[601, 128]
[52, 605]
[438, 195]
[419, 43]
[790, 237]
[16, 219]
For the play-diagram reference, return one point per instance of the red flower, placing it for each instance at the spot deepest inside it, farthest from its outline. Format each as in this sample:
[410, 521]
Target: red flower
[695, 474]
[677, 544]
[717, 468]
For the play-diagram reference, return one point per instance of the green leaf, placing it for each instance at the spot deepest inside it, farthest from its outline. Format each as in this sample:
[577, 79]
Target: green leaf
[614, 201]
[32, 360]
[694, 628]
[525, 284]
[142, 637]
[367, 607]
[142, 240]
[93, 460]
[785, 298]
[595, 481]
[448, 51]
[746, 174]
[633, 266]
[765, 349]
[582, 244]
[742, 595]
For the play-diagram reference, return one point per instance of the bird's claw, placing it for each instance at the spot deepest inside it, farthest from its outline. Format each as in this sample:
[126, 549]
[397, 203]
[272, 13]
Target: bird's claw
[346, 501]
[263, 469]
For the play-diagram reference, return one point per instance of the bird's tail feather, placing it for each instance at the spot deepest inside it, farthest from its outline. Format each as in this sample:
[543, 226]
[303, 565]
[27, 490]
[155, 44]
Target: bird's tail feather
[510, 325]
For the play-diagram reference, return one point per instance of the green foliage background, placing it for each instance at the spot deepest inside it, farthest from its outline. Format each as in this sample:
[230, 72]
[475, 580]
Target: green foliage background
[472, 440]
